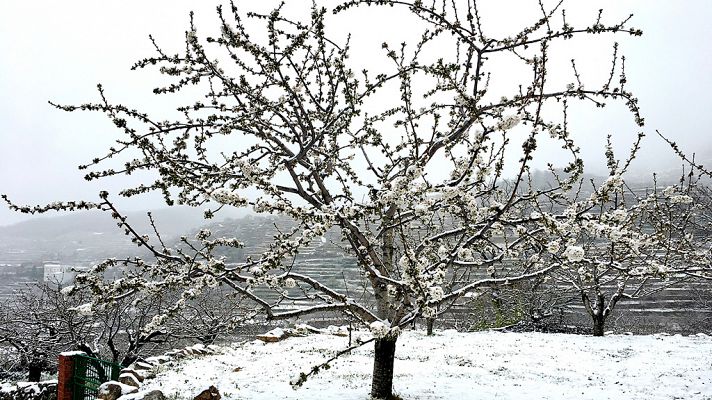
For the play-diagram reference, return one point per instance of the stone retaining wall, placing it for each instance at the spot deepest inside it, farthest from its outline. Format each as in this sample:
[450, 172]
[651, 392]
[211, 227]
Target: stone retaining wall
[46, 390]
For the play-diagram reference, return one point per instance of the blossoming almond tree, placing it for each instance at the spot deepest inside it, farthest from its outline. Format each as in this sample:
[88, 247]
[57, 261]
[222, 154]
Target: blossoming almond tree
[288, 125]
[617, 243]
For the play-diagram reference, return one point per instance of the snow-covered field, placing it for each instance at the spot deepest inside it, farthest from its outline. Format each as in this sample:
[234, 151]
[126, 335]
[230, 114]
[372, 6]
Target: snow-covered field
[452, 365]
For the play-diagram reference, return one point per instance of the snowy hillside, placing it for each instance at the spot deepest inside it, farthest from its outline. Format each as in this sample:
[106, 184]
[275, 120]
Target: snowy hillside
[452, 365]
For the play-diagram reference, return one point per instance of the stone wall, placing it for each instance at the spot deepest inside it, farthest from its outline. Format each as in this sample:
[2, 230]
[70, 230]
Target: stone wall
[46, 390]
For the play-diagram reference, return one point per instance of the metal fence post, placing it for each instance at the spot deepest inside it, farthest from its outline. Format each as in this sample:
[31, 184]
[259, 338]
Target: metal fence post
[65, 374]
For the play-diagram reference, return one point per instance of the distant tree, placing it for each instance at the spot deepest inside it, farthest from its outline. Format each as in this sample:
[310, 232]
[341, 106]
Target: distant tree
[285, 125]
[41, 321]
[616, 243]
[37, 323]
[535, 304]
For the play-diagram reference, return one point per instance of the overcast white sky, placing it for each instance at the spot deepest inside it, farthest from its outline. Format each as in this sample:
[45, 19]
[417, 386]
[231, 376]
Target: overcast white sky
[61, 50]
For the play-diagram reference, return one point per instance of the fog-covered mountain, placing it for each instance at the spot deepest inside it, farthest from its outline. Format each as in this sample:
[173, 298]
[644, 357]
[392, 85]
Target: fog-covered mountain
[89, 235]
[92, 235]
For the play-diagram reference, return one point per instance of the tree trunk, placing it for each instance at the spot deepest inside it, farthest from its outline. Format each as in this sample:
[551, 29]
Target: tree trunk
[384, 355]
[598, 326]
[127, 360]
[429, 322]
[35, 373]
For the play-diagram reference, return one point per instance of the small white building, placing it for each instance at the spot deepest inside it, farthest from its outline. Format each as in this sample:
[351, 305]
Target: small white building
[55, 273]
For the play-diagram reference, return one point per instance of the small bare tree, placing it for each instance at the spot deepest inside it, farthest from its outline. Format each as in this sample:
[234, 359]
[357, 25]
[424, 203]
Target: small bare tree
[41, 321]
[36, 324]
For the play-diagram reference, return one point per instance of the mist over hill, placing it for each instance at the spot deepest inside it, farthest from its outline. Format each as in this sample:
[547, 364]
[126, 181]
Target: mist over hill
[90, 235]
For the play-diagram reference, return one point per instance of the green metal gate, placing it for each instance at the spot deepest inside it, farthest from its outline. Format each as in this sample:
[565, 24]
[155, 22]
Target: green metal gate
[89, 374]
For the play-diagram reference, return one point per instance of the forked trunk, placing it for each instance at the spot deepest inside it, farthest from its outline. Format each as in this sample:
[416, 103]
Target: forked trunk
[384, 355]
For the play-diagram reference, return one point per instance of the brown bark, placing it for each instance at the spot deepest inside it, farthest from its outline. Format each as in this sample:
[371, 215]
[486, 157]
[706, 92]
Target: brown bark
[429, 323]
[35, 373]
[384, 356]
[598, 326]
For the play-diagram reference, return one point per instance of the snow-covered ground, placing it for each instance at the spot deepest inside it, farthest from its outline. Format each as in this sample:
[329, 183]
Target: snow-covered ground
[452, 365]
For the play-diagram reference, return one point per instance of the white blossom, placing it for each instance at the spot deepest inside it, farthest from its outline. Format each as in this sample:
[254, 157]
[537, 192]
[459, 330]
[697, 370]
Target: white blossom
[681, 199]
[223, 196]
[509, 122]
[210, 281]
[392, 290]
[662, 270]
[574, 253]
[614, 181]
[616, 234]
[465, 254]
[619, 215]
[420, 209]
[443, 251]
[436, 293]
[428, 312]
[553, 247]
[191, 36]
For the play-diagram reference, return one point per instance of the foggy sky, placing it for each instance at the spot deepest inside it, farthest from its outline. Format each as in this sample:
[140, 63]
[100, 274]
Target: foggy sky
[59, 51]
